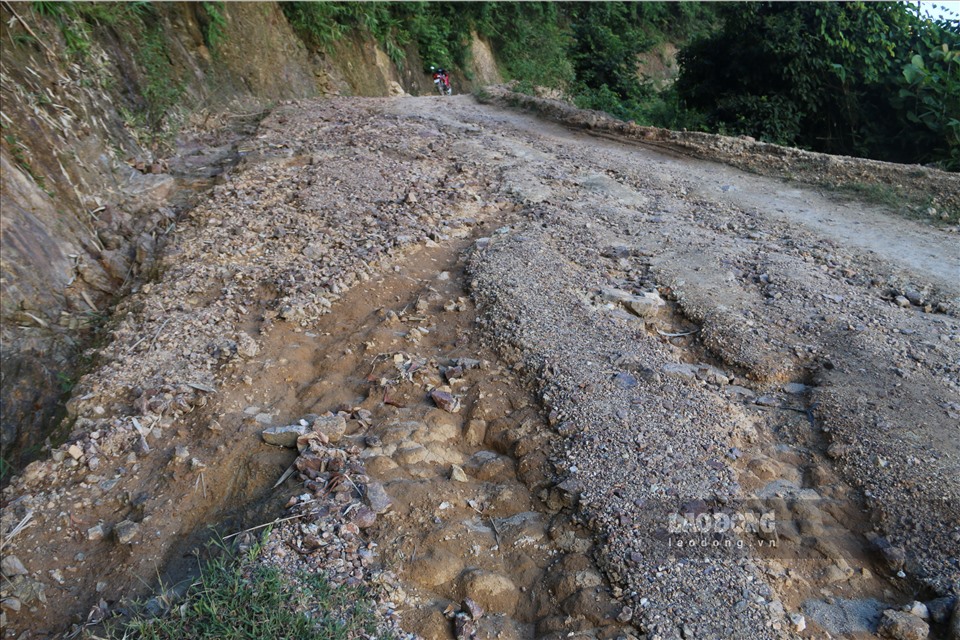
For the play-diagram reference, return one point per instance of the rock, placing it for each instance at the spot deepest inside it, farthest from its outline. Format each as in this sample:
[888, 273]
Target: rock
[334, 427]
[95, 533]
[10, 604]
[900, 301]
[494, 592]
[284, 436]
[11, 566]
[75, 452]
[247, 346]
[410, 453]
[181, 454]
[645, 305]
[940, 609]
[445, 400]
[457, 474]
[917, 609]
[798, 621]
[625, 380]
[475, 432]
[364, 517]
[954, 631]
[794, 388]
[312, 252]
[899, 625]
[377, 498]
[124, 532]
[489, 466]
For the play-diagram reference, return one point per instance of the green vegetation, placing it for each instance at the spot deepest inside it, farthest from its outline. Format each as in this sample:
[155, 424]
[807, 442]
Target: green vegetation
[148, 111]
[215, 24]
[19, 152]
[238, 598]
[856, 78]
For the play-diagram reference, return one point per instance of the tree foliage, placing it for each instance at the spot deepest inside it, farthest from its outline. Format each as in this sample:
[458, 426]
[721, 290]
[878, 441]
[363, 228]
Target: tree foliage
[866, 79]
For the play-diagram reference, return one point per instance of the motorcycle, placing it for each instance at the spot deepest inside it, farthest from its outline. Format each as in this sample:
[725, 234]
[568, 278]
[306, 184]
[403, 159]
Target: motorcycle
[441, 79]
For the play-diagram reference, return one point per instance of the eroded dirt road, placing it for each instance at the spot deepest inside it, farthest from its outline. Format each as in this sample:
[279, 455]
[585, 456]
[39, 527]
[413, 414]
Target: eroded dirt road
[546, 349]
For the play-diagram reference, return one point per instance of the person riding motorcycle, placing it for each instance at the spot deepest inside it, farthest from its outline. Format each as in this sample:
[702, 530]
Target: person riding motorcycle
[441, 78]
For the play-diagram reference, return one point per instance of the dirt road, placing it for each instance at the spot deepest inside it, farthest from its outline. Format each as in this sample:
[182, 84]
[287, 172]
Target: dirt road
[630, 340]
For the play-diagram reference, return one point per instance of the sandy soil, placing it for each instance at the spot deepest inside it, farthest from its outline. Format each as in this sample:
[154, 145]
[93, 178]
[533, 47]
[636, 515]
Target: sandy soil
[646, 336]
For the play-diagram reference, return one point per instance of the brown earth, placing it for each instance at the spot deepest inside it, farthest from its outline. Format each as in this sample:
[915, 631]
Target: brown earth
[629, 336]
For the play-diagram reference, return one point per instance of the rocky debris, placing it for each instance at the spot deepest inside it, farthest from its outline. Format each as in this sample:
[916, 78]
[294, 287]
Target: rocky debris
[465, 619]
[901, 625]
[445, 400]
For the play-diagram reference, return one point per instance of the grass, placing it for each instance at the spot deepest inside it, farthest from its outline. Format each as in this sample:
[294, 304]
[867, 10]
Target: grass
[237, 597]
[907, 204]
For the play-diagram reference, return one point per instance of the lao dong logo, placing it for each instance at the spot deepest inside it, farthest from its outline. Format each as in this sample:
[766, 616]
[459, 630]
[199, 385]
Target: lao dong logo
[722, 529]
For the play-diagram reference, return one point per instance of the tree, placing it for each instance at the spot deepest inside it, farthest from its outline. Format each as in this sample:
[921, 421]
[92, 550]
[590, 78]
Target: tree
[830, 77]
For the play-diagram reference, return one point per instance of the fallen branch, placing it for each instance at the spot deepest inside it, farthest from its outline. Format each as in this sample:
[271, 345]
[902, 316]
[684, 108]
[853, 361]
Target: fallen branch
[677, 335]
[23, 524]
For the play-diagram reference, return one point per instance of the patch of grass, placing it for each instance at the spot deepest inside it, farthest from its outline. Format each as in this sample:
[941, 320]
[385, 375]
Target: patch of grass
[238, 598]
[897, 200]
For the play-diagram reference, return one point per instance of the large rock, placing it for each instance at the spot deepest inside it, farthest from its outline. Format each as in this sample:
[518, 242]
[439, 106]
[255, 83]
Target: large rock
[899, 625]
[285, 436]
[494, 592]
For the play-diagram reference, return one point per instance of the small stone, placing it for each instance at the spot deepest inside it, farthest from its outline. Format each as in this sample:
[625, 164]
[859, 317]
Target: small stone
[900, 301]
[10, 604]
[11, 566]
[377, 498]
[75, 452]
[625, 380]
[181, 454]
[446, 401]
[285, 436]
[626, 614]
[457, 474]
[93, 464]
[334, 427]
[798, 621]
[898, 625]
[794, 388]
[125, 531]
[364, 517]
[372, 441]
[95, 532]
[247, 346]
[917, 609]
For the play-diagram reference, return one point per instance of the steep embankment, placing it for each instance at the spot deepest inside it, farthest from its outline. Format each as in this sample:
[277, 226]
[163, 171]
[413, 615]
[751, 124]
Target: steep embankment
[112, 121]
